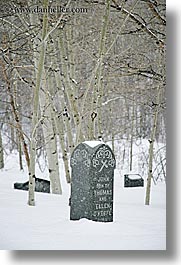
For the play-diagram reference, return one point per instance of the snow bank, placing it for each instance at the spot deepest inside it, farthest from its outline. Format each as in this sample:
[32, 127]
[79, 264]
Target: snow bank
[47, 226]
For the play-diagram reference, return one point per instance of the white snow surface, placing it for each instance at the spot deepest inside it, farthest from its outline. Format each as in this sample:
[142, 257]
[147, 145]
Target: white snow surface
[47, 225]
[134, 176]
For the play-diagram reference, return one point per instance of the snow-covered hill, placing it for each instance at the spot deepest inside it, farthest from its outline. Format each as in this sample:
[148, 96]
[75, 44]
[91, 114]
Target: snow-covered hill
[48, 226]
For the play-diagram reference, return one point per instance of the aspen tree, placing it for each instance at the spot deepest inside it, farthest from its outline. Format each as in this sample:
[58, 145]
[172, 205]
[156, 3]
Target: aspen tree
[127, 68]
[60, 128]
[71, 54]
[151, 147]
[98, 89]
[16, 117]
[132, 136]
[92, 78]
[50, 138]
[18, 137]
[39, 74]
[62, 98]
[68, 89]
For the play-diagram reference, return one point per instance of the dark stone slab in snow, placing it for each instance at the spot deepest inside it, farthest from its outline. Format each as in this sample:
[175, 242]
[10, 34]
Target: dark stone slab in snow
[41, 185]
[93, 165]
[133, 180]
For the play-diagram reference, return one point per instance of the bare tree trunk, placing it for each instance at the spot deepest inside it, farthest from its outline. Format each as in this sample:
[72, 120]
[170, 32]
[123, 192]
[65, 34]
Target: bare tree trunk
[98, 89]
[132, 136]
[50, 139]
[12, 133]
[65, 117]
[151, 154]
[112, 142]
[60, 130]
[68, 89]
[62, 122]
[20, 153]
[39, 73]
[16, 117]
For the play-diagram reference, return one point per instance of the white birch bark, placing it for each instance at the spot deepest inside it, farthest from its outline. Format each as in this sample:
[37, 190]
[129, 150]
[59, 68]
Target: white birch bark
[151, 149]
[66, 117]
[63, 127]
[98, 89]
[60, 128]
[100, 74]
[132, 136]
[39, 73]
[50, 140]
[92, 78]
[68, 89]
[20, 153]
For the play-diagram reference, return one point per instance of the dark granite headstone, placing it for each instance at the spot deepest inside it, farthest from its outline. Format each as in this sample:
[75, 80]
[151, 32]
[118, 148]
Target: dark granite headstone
[41, 185]
[92, 182]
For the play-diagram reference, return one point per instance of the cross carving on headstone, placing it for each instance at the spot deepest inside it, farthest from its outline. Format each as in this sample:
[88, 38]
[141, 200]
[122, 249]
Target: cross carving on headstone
[104, 164]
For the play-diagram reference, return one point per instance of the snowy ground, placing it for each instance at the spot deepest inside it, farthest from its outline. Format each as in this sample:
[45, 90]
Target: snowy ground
[47, 225]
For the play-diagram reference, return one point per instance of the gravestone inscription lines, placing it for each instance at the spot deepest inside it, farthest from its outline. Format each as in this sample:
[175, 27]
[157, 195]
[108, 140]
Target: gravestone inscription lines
[103, 173]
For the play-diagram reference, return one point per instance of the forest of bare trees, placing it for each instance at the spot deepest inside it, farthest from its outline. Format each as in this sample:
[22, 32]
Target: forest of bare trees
[81, 70]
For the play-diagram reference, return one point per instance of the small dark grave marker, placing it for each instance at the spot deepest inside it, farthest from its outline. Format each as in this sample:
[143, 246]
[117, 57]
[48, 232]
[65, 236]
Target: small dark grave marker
[133, 180]
[93, 165]
[41, 185]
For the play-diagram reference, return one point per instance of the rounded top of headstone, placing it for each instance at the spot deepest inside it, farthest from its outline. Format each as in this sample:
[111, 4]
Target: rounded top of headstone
[104, 157]
[89, 151]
